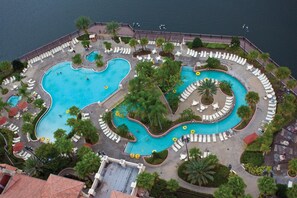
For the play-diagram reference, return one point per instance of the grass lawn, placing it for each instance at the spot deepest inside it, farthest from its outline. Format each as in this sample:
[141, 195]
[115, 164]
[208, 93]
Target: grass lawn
[215, 45]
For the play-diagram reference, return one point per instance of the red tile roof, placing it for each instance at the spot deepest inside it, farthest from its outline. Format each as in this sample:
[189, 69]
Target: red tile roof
[61, 187]
[18, 147]
[8, 167]
[250, 138]
[22, 105]
[23, 186]
[13, 112]
[3, 120]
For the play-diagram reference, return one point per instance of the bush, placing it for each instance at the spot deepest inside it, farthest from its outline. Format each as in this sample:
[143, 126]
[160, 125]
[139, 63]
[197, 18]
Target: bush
[213, 63]
[251, 157]
[256, 170]
[83, 37]
[173, 100]
[235, 42]
[17, 65]
[116, 39]
[122, 130]
[220, 177]
[126, 40]
[33, 134]
[225, 87]
[76, 59]
[197, 43]
[157, 157]
[281, 190]
[4, 91]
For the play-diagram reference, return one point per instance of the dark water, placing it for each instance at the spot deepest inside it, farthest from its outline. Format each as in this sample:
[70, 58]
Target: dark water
[26, 25]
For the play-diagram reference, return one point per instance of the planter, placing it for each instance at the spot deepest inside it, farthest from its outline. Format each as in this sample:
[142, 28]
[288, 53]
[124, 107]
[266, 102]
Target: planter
[291, 174]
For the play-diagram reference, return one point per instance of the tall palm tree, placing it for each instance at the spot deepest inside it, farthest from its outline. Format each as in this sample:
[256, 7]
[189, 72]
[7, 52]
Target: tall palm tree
[143, 42]
[252, 98]
[207, 89]
[3, 105]
[168, 48]
[270, 67]
[157, 113]
[200, 171]
[82, 23]
[244, 112]
[23, 91]
[195, 153]
[159, 42]
[33, 166]
[133, 43]
[264, 57]
[253, 55]
[282, 73]
[267, 186]
[113, 28]
[291, 84]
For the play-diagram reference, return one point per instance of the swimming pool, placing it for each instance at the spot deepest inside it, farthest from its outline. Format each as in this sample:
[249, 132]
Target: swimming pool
[91, 57]
[145, 143]
[14, 100]
[77, 87]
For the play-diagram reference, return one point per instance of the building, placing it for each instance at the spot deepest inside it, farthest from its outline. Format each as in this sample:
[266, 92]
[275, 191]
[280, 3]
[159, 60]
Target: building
[14, 183]
[116, 178]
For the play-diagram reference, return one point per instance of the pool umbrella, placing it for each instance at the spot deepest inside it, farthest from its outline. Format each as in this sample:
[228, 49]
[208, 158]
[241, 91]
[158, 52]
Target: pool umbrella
[18, 147]
[13, 112]
[3, 120]
[22, 105]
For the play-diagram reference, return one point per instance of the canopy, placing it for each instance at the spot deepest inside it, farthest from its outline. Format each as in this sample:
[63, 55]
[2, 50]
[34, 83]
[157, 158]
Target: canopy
[13, 112]
[18, 147]
[250, 138]
[22, 105]
[3, 120]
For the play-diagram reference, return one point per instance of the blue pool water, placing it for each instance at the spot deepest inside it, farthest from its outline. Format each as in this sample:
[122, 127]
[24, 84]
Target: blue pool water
[77, 87]
[14, 100]
[91, 56]
[145, 143]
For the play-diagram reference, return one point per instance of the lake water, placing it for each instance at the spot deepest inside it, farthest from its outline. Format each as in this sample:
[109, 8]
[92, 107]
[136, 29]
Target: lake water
[26, 25]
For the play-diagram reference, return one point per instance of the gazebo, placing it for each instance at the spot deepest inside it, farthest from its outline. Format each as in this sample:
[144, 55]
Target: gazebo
[13, 112]
[3, 120]
[23, 105]
[250, 138]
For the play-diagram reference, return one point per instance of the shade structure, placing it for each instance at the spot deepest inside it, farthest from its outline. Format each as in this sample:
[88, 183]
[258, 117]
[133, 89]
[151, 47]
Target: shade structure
[13, 112]
[250, 138]
[18, 147]
[22, 105]
[3, 120]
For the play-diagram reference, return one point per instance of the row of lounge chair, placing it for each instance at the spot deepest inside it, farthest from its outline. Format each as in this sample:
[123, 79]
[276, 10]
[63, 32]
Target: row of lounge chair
[75, 138]
[13, 128]
[23, 154]
[108, 132]
[224, 56]
[218, 115]
[53, 51]
[122, 50]
[191, 52]
[202, 139]
[9, 80]
[85, 116]
[269, 93]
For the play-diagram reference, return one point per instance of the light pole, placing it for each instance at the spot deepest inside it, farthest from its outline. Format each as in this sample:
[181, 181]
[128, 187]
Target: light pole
[245, 31]
[186, 139]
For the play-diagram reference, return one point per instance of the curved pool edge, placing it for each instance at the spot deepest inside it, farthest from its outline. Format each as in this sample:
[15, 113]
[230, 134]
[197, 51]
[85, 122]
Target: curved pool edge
[71, 66]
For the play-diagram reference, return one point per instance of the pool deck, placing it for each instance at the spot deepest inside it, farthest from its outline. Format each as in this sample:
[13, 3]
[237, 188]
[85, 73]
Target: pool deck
[228, 151]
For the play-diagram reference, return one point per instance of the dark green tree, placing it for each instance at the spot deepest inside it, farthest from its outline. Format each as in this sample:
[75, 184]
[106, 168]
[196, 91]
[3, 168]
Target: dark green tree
[83, 23]
[267, 186]
[197, 43]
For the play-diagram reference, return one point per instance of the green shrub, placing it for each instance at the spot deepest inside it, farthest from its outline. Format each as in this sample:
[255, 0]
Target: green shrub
[122, 130]
[281, 190]
[197, 43]
[83, 37]
[4, 91]
[256, 170]
[33, 134]
[189, 44]
[173, 100]
[251, 157]
[126, 40]
[116, 39]
[76, 59]
[225, 86]
[157, 157]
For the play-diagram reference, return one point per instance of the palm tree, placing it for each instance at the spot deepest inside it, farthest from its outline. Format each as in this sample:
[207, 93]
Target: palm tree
[159, 42]
[113, 28]
[3, 105]
[146, 180]
[282, 73]
[253, 55]
[270, 67]
[199, 171]
[195, 153]
[133, 43]
[76, 59]
[224, 191]
[264, 57]
[33, 166]
[23, 91]
[291, 84]
[143, 42]
[157, 113]
[207, 89]
[74, 110]
[267, 186]
[82, 23]
[292, 192]
[252, 98]
[107, 45]
[244, 112]
[168, 48]
[172, 185]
